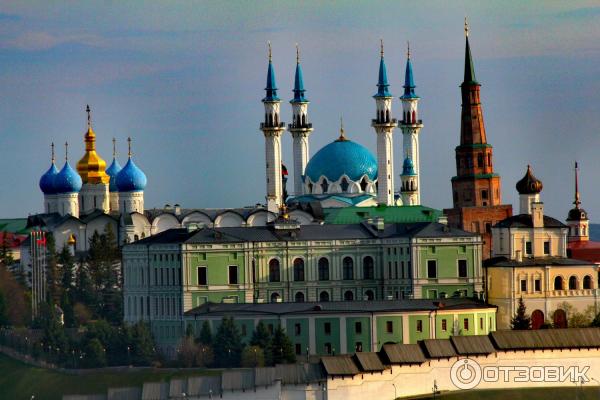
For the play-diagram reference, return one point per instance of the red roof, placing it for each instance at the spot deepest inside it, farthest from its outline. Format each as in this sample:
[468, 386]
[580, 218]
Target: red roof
[13, 239]
[585, 250]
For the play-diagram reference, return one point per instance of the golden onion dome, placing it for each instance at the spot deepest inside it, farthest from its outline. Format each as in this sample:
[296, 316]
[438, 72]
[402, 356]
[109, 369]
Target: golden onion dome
[91, 167]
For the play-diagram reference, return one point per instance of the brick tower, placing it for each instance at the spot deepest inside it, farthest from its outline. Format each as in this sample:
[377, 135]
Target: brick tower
[476, 190]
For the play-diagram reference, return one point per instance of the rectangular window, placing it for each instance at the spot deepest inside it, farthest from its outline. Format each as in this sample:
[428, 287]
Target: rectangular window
[419, 325]
[358, 327]
[298, 349]
[538, 285]
[358, 347]
[202, 280]
[402, 268]
[444, 325]
[233, 275]
[396, 269]
[547, 247]
[297, 329]
[466, 324]
[527, 247]
[484, 194]
[462, 268]
[523, 285]
[480, 323]
[327, 348]
[432, 269]
[162, 277]
[389, 327]
[327, 328]
[432, 249]
[390, 269]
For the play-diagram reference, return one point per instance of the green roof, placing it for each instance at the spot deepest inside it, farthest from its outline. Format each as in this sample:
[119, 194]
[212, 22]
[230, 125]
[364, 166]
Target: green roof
[390, 214]
[474, 176]
[14, 225]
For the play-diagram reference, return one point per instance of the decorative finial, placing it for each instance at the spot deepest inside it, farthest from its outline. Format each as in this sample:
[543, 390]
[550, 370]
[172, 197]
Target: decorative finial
[342, 132]
[466, 27]
[66, 151]
[89, 115]
[408, 49]
[297, 54]
[381, 46]
[129, 147]
[114, 148]
[52, 147]
[577, 201]
[270, 53]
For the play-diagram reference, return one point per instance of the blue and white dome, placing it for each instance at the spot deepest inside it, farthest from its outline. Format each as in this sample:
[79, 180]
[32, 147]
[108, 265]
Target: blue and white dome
[47, 180]
[131, 178]
[67, 180]
[112, 172]
[342, 157]
[408, 168]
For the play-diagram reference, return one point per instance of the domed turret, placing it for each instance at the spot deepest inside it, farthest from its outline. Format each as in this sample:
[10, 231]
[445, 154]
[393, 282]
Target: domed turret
[113, 170]
[529, 184]
[408, 167]
[47, 180]
[67, 185]
[131, 182]
[578, 220]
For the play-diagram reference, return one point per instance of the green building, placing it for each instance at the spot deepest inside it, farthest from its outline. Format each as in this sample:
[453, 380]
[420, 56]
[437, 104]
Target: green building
[178, 270]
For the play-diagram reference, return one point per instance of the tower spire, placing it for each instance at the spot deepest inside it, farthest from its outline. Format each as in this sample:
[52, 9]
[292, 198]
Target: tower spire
[89, 115]
[52, 151]
[342, 131]
[577, 201]
[271, 88]
[298, 81]
[66, 151]
[129, 147]
[114, 147]
[382, 83]
[469, 77]
[407, 50]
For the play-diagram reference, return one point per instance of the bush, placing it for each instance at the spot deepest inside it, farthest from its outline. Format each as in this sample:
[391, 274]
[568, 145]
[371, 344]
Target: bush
[253, 356]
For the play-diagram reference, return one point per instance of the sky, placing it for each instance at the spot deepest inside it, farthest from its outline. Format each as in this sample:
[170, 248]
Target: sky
[184, 79]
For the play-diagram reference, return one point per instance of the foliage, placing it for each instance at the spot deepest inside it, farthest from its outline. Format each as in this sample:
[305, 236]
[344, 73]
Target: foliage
[581, 319]
[280, 349]
[95, 354]
[17, 311]
[205, 334]
[253, 356]
[190, 354]
[521, 320]
[261, 336]
[6, 257]
[228, 344]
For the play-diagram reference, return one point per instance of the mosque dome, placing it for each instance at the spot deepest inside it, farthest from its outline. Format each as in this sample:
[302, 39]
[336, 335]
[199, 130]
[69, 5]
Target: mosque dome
[47, 180]
[112, 172]
[131, 178]
[342, 157]
[67, 180]
[529, 184]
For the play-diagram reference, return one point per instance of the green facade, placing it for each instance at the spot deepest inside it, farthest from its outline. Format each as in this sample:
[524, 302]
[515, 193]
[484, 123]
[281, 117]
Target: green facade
[327, 335]
[389, 330]
[358, 334]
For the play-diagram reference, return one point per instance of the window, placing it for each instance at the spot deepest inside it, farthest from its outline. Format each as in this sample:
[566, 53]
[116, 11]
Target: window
[484, 194]
[537, 285]
[297, 329]
[328, 348]
[299, 298]
[432, 269]
[324, 296]
[274, 275]
[480, 160]
[370, 295]
[275, 297]
[587, 282]
[344, 185]
[327, 328]
[202, 280]
[466, 324]
[419, 325]
[523, 285]
[572, 283]
[348, 295]
[480, 323]
[233, 275]
[462, 268]
[298, 348]
[323, 269]
[527, 247]
[389, 326]
[558, 283]
[358, 347]
[298, 270]
[348, 267]
[368, 268]
[358, 327]
[444, 325]
[547, 247]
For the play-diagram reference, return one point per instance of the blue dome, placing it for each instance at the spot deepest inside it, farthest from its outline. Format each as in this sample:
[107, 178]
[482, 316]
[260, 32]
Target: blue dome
[342, 157]
[112, 172]
[67, 180]
[47, 180]
[131, 178]
[408, 168]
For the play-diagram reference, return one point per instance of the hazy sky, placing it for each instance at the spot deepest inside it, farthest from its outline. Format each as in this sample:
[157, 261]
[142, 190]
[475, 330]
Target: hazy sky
[184, 80]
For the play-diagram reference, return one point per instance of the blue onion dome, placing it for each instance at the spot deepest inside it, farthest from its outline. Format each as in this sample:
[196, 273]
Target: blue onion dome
[47, 180]
[112, 172]
[131, 178]
[67, 180]
[408, 168]
[342, 157]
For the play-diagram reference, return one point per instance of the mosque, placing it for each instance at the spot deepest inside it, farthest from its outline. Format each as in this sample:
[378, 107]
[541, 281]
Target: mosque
[344, 173]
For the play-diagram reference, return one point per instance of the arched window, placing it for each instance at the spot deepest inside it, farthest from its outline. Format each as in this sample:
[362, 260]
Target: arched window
[387, 115]
[370, 295]
[303, 120]
[270, 119]
[573, 283]
[299, 297]
[348, 267]
[348, 295]
[324, 185]
[324, 296]
[136, 238]
[275, 297]
[298, 270]
[587, 282]
[310, 188]
[368, 268]
[323, 269]
[344, 185]
[363, 184]
[414, 117]
[274, 271]
[558, 283]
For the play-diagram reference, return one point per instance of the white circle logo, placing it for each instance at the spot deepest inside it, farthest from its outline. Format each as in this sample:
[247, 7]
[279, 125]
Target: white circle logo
[465, 373]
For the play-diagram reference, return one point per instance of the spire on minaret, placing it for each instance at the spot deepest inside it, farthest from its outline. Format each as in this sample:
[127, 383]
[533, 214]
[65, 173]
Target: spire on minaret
[271, 88]
[382, 83]
[409, 82]
[342, 137]
[298, 81]
[469, 67]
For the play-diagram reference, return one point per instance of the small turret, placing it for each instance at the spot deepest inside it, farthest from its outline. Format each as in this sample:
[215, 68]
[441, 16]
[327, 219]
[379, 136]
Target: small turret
[529, 188]
[410, 184]
[578, 220]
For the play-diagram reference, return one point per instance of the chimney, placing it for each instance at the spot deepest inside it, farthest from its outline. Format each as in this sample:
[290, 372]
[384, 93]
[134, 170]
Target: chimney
[518, 256]
[537, 214]
[177, 209]
[379, 223]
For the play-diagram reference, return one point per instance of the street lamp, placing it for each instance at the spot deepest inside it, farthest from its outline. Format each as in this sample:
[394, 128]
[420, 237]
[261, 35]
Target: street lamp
[434, 388]
[395, 390]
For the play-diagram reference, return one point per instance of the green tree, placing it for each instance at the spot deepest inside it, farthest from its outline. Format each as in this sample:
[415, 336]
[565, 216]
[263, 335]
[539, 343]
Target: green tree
[228, 344]
[261, 336]
[280, 349]
[205, 337]
[253, 356]
[205, 356]
[3, 311]
[6, 257]
[521, 320]
[67, 307]
[67, 262]
[95, 354]
[189, 331]
[143, 348]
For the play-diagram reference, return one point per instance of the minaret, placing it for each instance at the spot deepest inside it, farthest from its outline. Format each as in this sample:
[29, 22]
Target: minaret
[384, 126]
[300, 128]
[577, 219]
[410, 183]
[272, 128]
[92, 169]
[411, 124]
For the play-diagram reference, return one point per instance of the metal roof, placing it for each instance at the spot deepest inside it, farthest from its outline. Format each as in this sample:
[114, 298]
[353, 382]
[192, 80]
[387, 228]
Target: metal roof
[547, 339]
[369, 362]
[438, 348]
[403, 353]
[535, 262]
[525, 221]
[339, 365]
[472, 345]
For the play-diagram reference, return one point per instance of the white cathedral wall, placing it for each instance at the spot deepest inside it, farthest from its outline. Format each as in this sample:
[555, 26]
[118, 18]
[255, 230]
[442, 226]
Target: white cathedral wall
[94, 196]
[260, 218]
[197, 218]
[163, 222]
[229, 219]
[131, 202]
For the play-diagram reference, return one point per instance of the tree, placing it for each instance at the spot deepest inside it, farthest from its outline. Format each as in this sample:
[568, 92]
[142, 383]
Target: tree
[253, 356]
[67, 262]
[143, 348]
[205, 337]
[521, 320]
[67, 307]
[54, 275]
[15, 298]
[280, 349]
[6, 257]
[95, 354]
[205, 356]
[228, 344]
[3, 311]
[187, 352]
[581, 319]
[189, 331]
[261, 336]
